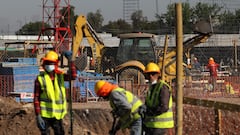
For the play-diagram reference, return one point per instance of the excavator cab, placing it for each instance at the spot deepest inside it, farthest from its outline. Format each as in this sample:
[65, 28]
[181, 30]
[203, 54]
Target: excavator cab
[136, 46]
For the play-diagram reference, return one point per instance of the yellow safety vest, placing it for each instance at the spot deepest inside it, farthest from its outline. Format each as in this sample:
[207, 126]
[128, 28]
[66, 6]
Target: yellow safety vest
[126, 120]
[229, 89]
[53, 102]
[164, 120]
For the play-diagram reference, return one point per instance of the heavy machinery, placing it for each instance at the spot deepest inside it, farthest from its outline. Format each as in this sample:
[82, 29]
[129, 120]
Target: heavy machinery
[84, 29]
[135, 50]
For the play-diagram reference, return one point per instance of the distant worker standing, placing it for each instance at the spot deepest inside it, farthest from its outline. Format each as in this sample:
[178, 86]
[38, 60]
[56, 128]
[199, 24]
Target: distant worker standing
[125, 106]
[196, 64]
[159, 115]
[213, 67]
[50, 96]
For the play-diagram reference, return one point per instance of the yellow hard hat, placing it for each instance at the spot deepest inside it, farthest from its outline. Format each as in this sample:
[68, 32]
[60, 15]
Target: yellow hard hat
[51, 56]
[152, 67]
[99, 85]
[103, 88]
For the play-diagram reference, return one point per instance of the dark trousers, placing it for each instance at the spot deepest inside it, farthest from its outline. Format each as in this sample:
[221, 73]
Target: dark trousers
[156, 131]
[56, 125]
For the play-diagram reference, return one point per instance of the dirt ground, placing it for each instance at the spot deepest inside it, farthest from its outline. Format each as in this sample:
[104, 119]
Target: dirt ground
[94, 118]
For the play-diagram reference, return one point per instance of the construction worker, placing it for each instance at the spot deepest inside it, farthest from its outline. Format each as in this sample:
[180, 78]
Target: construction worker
[196, 64]
[229, 88]
[213, 67]
[125, 107]
[50, 96]
[159, 115]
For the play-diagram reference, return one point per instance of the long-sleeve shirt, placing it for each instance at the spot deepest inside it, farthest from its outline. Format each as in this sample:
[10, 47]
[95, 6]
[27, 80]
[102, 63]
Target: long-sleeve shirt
[163, 106]
[38, 91]
[120, 102]
[213, 69]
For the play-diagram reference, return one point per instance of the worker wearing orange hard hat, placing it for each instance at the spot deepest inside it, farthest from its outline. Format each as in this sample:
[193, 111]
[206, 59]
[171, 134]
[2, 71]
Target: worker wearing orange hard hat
[159, 114]
[125, 107]
[213, 67]
[50, 102]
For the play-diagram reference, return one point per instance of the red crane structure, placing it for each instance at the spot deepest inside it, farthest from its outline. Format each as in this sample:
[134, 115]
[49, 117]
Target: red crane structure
[56, 13]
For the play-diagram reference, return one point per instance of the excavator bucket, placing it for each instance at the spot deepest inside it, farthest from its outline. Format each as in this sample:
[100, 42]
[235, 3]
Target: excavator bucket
[203, 27]
[81, 62]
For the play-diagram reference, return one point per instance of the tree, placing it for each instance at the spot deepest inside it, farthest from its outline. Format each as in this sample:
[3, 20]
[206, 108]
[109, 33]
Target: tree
[32, 28]
[95, 19]
[139, 22]
[205, 11]
[169, 17]
[64, 20]
[117, 27]
[229, 22]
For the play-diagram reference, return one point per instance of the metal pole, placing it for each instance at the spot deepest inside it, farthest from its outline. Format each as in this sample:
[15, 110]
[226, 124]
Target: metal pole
[164, 55]
[179, 68]
[235, 55]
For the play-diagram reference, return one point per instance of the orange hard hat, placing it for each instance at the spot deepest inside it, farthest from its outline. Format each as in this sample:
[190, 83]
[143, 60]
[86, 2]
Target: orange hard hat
[51, 56]
[211, 60]
[103, 88]
[152, 67]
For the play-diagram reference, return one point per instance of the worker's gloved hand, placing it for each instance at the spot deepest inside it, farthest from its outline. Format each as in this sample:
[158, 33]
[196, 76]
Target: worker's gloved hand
[114, 130]
[114, 114]
[142, 110]
[40, 122]
[68, 54]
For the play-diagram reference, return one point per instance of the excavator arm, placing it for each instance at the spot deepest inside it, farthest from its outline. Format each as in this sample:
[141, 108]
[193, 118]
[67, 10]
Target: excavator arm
[84, 29]
[170, 57]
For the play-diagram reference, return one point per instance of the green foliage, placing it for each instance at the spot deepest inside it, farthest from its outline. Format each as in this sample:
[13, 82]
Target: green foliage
[139, 22]
[227, 26]
[117, 27]
[96, 20]
[222, 21]
[73, 17]
[32, 28]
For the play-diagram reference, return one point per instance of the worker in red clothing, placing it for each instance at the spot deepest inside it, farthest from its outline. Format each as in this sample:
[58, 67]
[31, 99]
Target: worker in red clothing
[50, 96]
[213, 68]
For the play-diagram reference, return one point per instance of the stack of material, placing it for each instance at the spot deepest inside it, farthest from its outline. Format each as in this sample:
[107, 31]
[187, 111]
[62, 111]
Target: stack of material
[18, 77]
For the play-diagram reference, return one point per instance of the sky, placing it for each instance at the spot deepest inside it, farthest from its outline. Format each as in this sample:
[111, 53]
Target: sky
[15, 13]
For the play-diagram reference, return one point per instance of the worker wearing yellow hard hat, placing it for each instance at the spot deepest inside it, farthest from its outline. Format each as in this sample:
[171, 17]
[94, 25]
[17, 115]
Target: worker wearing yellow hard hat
[51, 56]
[50, 101]
[125, 106]
[159, 114]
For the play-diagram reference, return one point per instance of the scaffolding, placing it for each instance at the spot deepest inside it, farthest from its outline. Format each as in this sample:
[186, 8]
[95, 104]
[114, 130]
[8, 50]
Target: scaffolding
[56, 13]
[129, 7]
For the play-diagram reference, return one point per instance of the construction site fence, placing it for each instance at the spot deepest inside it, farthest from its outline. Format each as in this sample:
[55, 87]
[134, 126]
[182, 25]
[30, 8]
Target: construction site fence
[83, 88]
[197, 94]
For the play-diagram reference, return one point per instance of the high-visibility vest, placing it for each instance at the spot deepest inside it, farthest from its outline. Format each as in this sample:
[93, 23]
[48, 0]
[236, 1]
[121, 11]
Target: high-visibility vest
[127, 119]
[53, 102]
[164, 120]
[229, 88]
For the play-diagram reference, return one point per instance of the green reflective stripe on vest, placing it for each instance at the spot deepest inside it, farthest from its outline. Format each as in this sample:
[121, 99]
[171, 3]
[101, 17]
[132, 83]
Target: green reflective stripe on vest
[50, 101]
[53, 98]
[135, 102]
[164, 120]
[52, 110]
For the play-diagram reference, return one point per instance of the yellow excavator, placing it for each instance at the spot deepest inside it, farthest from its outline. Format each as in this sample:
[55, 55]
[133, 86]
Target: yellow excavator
[84, 29]
[135, 50]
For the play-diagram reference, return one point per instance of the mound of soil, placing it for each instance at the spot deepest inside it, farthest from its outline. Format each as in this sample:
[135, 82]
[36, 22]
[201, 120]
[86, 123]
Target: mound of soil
[94, 118]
